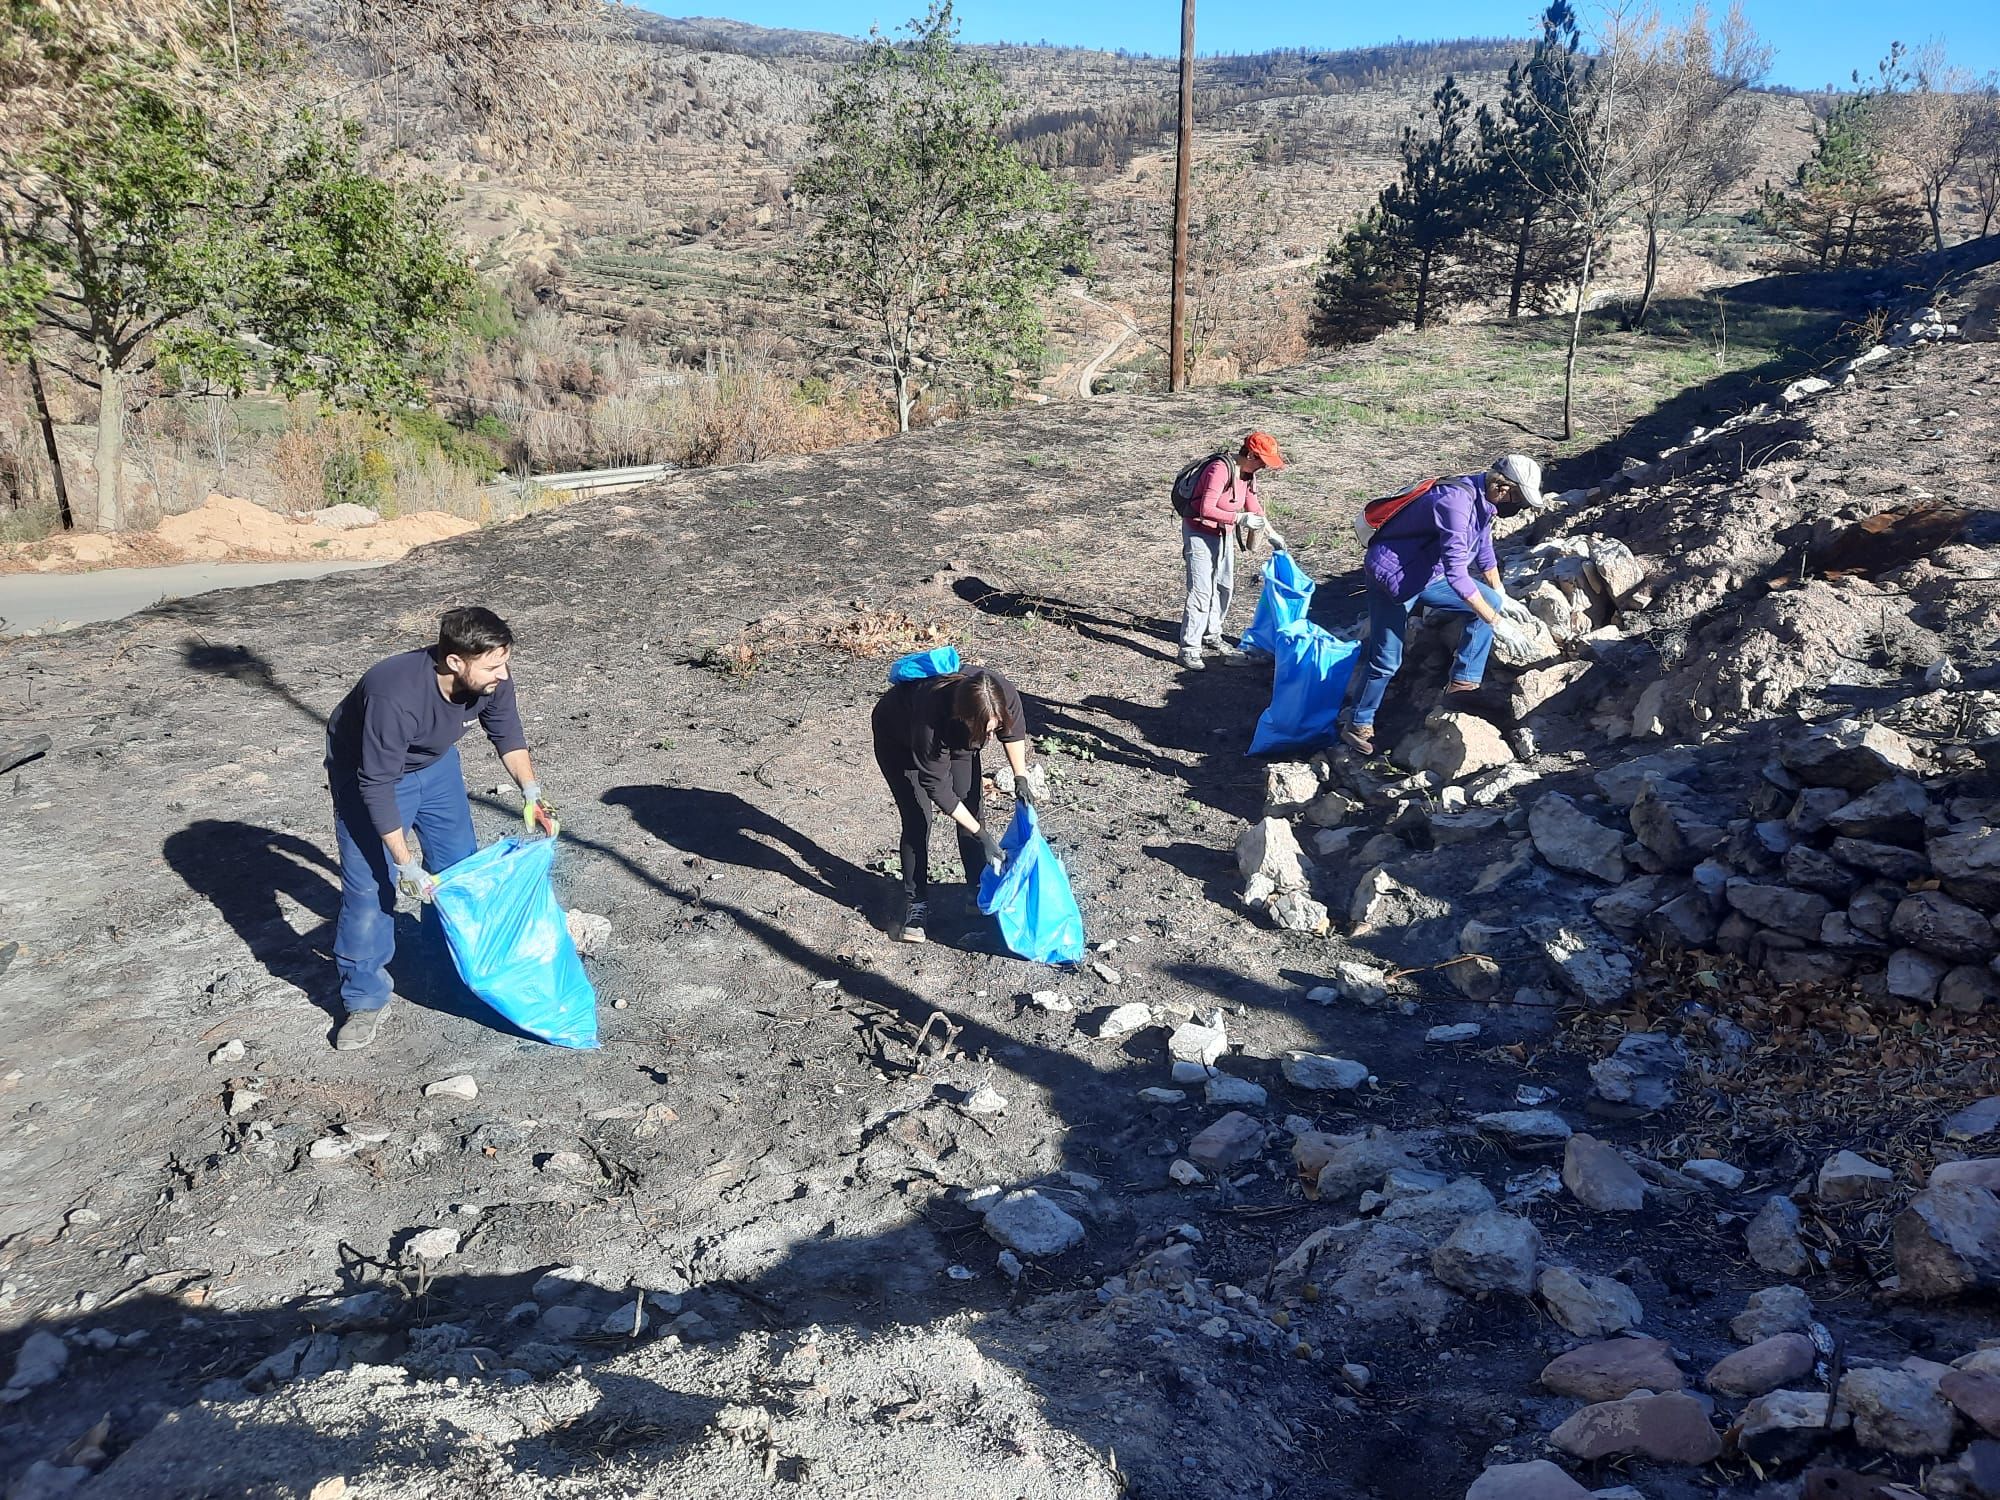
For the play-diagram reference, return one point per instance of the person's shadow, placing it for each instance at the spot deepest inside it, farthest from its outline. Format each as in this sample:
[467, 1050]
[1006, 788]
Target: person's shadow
[243, 869]
[722, 827]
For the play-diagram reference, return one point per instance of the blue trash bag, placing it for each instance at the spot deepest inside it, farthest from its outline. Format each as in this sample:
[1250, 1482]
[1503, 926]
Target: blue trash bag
[1287, 596]
[1031, 898]
[940, 661]
[512, 944]
[1308, 688]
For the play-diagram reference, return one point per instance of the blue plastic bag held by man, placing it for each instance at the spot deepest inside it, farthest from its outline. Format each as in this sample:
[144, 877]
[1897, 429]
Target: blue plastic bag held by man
[1287, 596]
[1308, 687]
[1030, 896]
[512, 944]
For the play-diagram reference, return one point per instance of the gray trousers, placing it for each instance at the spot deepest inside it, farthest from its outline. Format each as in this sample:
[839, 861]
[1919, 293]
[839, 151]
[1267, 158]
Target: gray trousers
[1211, 580]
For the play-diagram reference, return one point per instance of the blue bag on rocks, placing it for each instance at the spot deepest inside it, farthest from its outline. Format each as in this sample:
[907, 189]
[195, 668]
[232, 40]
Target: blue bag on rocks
[940, 661]
[511, 941]
[1308, 688]
[1031, 898]
[1287, 596]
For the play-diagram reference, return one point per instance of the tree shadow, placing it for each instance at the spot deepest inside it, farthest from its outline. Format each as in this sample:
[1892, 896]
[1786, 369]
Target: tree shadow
[723, 828]
[243, 869]
[241, 664]
[1106, 629]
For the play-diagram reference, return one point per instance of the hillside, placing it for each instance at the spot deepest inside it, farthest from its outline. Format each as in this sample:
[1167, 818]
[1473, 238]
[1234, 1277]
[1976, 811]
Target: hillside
[749, 1246]
[675, 210]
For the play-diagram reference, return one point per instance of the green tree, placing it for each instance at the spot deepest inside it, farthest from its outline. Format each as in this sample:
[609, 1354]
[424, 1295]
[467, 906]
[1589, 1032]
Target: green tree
[146, 239]
[1839, 211]
[1430, 212]
[1361, 290]
[930, 230]
[1527, 160]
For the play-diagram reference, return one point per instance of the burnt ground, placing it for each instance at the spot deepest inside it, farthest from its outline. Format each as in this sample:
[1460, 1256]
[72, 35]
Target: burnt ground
[760, 1140]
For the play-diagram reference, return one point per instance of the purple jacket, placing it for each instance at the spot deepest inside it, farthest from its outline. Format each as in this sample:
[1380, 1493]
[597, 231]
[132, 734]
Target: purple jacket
[1447, 533]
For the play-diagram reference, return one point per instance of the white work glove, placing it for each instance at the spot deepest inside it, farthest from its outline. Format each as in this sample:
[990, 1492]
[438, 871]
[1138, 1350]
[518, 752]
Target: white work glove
[414, 881]
[1512, 639]
[1511, 607]
[1251, 520]
[1032, 785]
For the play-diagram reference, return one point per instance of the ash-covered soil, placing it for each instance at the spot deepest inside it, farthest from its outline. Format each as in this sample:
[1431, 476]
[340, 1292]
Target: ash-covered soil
[771, 1206]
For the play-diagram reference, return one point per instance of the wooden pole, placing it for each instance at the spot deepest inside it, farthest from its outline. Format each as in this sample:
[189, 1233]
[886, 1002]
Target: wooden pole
[1183, 167]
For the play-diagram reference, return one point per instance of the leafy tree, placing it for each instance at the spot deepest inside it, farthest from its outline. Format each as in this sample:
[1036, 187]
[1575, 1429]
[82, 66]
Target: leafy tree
[146, 239]
[1429, 213]
[931, 230]
[1361, 290]
[1407, 258]
[1527, 160]
[1839, 210]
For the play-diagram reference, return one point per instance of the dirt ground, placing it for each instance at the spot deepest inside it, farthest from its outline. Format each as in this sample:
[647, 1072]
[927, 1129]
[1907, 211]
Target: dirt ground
[757, 1158]
[226, 528]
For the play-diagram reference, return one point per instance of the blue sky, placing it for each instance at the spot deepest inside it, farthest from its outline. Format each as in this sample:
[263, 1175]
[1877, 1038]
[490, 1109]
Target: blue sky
[1817, 41]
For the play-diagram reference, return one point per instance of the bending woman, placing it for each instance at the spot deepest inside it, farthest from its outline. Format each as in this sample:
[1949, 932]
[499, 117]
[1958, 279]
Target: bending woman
[928, 737]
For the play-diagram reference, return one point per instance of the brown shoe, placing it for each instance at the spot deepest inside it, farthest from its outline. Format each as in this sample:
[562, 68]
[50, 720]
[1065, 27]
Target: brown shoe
[1459, 685]
[1360, 736]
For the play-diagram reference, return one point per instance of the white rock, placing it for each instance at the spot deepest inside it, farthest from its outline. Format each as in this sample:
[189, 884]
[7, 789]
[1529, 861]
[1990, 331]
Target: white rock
[1235, 1092]
[1270, 848]
[1125, 1019]
[1191, 1072]
[458, 1086]
[434, 1244]
[1464, 1031]
[985, 1100]
[1846, 1177]
[1361, 983]
[1162, 1096]
[1195, 1043]
[1186, 1173]
[1313, 1070]
[1026, 1222]
[590, 932]
[1715, 1173]
[229, 1052]
[333, 1148]
[1049, 1000]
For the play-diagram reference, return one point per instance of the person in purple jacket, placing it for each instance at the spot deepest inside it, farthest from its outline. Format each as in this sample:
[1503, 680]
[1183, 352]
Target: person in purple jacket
[392, 766]
[1438, 551]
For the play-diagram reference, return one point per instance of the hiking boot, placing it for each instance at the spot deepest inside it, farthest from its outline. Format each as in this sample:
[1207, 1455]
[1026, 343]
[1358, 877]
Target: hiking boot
[1360, 736]
[1460, 685]
[1226, 654]
[1192, 661]
[359, 1029]
[909, 928]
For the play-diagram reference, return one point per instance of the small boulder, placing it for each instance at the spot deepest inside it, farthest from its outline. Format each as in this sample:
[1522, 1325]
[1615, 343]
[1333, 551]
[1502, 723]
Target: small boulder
[1030, 1224]
[1899, 1411]
[1290, 787]
[1976, 1395]
[1122, 1020]
[1774, 1310]
[1538, 1480]
[1715, 1173]
[1352, 1165]
[1764, 1366]
[1896, 812]
[1529, 1131]
[1916, 976]
[1599, 1178]
[1968, 862]
[1672, 1429]
[1786, 1426]
[1313, 1070]
[1641, 1076]
[1969, 989]
[1241, 1093]
[1613, 1369]
[1773, 1238]
[1364, 984]
[1490, 1252]
[1849, 754]
[1570, 839]
[1948, 1241]
[1846, 1177]
[1800, 913]
[1270, 849]
[1591, 1307]
[1454, 746]
[1193, 1042]
[458, 1086]
[1934, 922]
[1230, 1141]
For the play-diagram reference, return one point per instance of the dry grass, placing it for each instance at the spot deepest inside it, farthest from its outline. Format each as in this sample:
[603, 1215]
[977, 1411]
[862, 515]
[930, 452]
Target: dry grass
[864, 631]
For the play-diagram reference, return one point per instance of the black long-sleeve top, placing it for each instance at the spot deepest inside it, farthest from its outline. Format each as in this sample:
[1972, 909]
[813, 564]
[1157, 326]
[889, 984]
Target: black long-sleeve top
[914, 729]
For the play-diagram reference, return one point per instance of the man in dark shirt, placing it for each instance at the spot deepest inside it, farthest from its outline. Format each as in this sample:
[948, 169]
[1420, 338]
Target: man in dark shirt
[392, 766]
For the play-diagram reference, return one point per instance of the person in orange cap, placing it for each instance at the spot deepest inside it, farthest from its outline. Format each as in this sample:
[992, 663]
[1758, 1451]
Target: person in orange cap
[1215, 497]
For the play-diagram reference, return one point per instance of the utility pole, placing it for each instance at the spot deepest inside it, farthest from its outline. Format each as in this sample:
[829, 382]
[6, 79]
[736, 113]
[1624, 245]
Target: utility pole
[1183, 166]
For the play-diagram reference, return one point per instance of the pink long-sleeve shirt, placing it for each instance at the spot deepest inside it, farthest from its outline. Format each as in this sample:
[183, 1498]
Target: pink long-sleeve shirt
[1222, 498]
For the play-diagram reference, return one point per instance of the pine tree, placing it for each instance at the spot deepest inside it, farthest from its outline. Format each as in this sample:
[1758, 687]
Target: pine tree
[1838, 211]
[1428, 214]
[1527, 161]
[1361, 293]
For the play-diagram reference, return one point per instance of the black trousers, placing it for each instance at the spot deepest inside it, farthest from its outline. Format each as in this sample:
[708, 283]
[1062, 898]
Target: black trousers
[916, 812]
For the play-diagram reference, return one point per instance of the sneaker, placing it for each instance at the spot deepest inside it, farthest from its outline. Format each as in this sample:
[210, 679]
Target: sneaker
[358, 1030]
[1227, 654]
[911, 928]
[1460, 685]
[1192, 661]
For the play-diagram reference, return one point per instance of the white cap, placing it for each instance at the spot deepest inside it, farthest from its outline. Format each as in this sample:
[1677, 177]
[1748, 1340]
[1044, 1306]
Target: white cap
[1525, 475]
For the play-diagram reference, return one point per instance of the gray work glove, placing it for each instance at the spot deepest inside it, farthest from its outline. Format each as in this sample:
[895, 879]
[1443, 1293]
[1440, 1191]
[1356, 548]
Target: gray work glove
[1512, 639]
[996, 858]
[1513, 608]
[414, 881]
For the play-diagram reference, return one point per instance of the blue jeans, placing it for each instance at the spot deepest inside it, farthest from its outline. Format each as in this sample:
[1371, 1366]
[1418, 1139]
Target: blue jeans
[433, 803]
[1388, 619]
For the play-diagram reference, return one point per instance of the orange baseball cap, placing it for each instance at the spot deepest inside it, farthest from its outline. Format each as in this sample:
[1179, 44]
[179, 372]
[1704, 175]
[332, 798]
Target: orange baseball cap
[1264, 448]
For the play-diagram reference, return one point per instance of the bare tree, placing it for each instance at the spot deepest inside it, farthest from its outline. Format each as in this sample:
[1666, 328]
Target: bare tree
[1688, 122]
[1929, 122]
[1985, 155]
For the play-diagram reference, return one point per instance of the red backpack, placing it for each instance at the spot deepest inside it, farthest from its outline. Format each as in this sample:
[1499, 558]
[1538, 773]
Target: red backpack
[1380, 512]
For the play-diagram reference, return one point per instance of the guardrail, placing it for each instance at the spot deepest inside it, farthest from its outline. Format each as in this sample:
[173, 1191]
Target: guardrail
[584, 481]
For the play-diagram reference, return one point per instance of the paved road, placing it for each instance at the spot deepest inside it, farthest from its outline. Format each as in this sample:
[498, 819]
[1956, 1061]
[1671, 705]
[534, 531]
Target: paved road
[37, 601]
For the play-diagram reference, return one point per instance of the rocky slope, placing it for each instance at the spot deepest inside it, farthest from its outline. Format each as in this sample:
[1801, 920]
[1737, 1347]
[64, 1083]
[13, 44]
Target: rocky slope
[1234, 1210]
